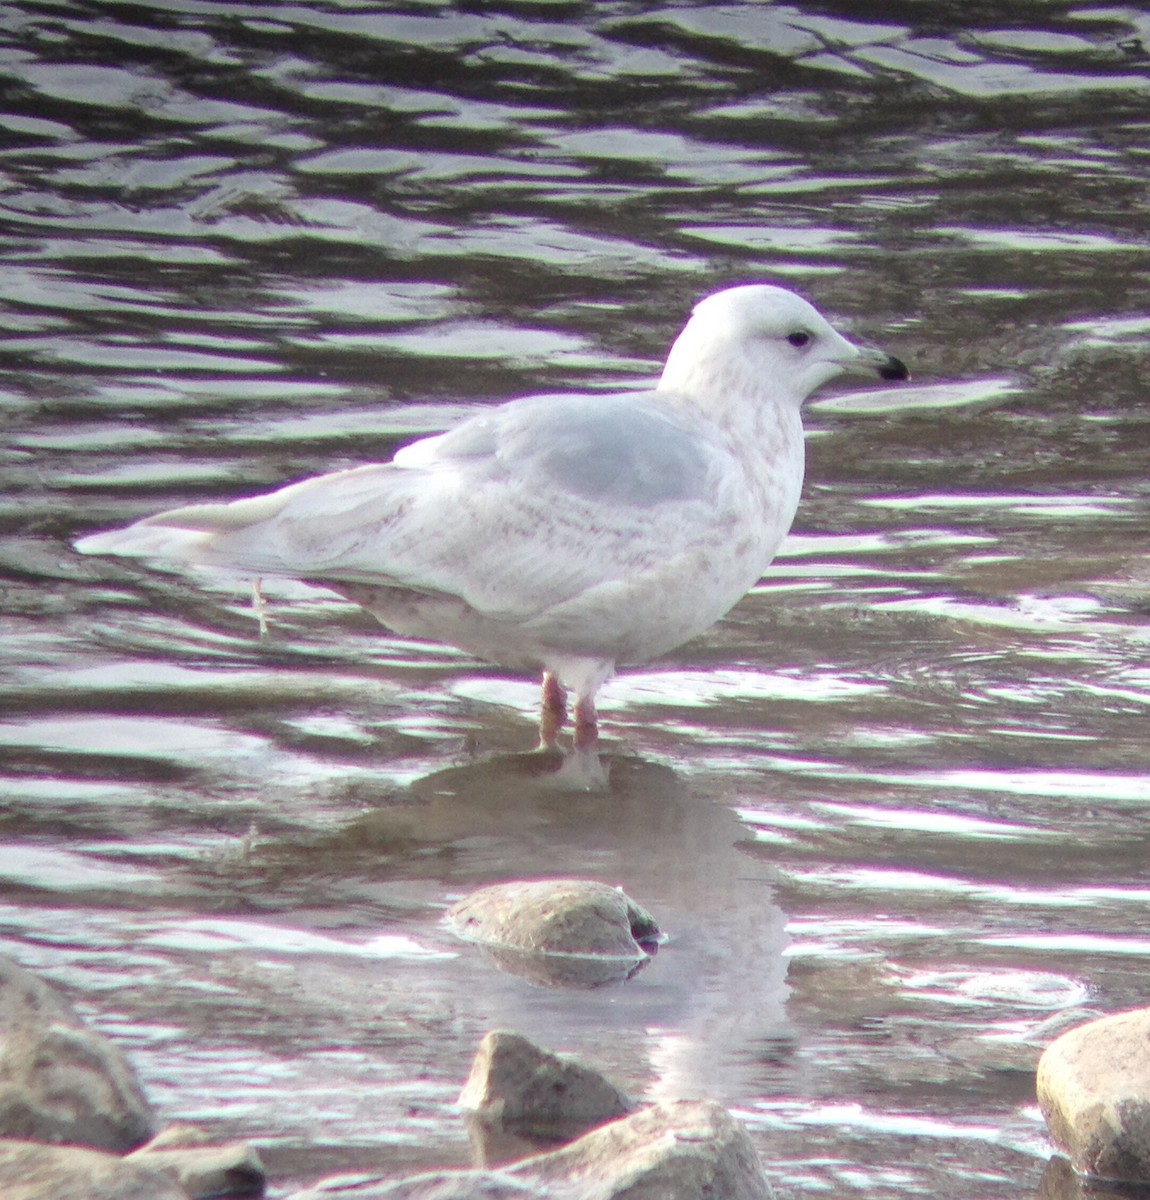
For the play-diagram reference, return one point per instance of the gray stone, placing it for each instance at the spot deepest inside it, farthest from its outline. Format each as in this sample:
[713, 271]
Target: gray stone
[581, 972]
[186, 1154]
[680, 1150]
[33, 1171]
[494, 1144]
[567, 932]
[59, 1080]
[677, 1150]
[435, 1185]
[1019, 1052]
[1060, 1181]
[519, 1085]
[1094, 1090]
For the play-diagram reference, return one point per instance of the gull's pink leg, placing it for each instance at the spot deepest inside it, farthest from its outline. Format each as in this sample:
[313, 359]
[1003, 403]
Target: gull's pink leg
[586, 723]
[554, 711]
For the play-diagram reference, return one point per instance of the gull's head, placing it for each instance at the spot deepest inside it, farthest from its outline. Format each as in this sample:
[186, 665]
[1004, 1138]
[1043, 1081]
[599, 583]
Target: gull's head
[758, 340]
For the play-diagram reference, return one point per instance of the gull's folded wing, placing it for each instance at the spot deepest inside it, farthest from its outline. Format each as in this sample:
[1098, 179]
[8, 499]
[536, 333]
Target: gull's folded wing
[518, 509]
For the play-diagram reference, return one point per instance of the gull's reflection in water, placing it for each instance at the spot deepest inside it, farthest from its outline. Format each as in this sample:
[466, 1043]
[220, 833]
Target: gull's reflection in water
[706, 1016]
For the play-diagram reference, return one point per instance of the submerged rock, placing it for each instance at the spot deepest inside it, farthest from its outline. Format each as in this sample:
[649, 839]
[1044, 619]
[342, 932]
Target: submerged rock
[680, 1150]
[59, 1080]
[519, 1087]
[1060, 1181]
[1094, 1090]
[33, 1171]
[186, 1154]
[559, 932]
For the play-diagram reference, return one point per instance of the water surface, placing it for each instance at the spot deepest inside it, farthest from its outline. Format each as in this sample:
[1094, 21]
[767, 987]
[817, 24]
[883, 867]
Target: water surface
[891, 812]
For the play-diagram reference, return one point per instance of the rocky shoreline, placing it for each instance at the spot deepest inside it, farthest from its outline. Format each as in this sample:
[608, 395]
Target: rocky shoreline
[75, 1123]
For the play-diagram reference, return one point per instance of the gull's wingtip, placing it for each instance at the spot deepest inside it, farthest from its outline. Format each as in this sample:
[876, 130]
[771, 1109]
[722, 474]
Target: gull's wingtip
[142, 541]
[96, 543]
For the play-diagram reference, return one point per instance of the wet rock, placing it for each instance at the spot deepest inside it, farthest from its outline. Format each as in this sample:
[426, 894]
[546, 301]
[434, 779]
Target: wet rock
[559, 971]
[680, 1150]
[517, 1085]
[1060, 1181]
[33, 1171]
[59, 1080]
[1054, 1026]
[436, 1185]
[494, 1144]
[1094, 1090]
[1020, 1049]
[558, 932]
[186, 1154]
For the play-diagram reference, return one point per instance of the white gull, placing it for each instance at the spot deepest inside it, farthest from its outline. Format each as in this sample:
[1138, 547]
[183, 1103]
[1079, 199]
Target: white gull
[571, 534]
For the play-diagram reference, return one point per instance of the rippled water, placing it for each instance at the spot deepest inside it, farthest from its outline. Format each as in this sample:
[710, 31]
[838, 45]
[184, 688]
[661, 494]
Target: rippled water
[892, 812]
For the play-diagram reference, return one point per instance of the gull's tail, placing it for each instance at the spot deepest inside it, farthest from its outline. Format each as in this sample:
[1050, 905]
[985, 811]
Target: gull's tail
[185, 534]
[146, 541]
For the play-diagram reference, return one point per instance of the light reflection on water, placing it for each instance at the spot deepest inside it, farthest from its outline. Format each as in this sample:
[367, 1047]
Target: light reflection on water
[907, 775]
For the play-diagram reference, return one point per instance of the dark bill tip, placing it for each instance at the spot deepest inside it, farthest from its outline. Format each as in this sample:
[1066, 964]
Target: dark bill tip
[893, 368]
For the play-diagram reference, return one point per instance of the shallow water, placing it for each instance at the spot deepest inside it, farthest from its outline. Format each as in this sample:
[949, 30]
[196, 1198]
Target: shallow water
[891, 812]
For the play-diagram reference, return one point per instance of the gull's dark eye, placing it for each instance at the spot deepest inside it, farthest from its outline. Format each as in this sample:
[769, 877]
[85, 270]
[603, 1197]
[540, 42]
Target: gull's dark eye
[799, 338]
